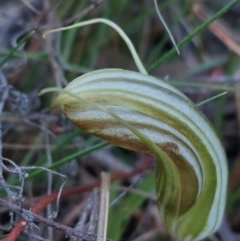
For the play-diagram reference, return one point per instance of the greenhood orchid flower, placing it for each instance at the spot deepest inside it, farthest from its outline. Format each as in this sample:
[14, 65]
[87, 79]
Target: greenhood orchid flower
[144, 114]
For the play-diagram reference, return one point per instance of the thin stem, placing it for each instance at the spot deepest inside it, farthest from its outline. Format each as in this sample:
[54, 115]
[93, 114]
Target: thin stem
[113, 25]
[192, 35]
[104, 205]
[11, 53]
[210, 99]
[69, 158]
[165, 26]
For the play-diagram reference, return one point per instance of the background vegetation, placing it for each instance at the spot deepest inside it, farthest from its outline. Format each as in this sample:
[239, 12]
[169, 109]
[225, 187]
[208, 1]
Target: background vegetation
[34, 135]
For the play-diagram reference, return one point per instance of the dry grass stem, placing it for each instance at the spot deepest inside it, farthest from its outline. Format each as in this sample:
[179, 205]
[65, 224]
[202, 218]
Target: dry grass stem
[219, 28]
[104, 207]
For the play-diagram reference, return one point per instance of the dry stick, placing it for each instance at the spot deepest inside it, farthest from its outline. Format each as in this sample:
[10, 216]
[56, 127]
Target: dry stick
[218, 28]
[92, 208]
[20, 226]
[94, 211]
[16, 231]
[49, 222]
[22, 175]
[104, 205]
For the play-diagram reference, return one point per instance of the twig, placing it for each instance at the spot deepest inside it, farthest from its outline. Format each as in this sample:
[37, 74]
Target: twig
[48, 222]
[22, 175]
[104, 205]
[219, 28]
[66, 193]
[92, 201]
[165, 26]
[94, 211]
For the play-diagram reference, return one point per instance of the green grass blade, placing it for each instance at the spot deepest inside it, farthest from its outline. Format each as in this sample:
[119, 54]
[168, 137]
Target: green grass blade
[69, 158]
[186, 40]
[22, 41]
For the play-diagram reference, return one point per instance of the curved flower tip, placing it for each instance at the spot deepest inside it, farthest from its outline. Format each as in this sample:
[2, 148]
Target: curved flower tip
[191, 176]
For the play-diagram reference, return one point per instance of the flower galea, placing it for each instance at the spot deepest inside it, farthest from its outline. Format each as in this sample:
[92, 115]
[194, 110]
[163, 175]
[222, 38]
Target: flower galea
[142, 113]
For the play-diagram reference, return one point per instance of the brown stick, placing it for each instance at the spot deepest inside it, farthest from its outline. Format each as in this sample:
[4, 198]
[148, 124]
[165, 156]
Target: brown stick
[38, 207]
[219, 28]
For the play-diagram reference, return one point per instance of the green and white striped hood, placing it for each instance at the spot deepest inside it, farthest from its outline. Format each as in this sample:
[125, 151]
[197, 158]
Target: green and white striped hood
[191, 175]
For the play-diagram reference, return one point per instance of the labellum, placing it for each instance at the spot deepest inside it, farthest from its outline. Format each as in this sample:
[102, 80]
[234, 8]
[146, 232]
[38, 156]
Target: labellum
[142, 113]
